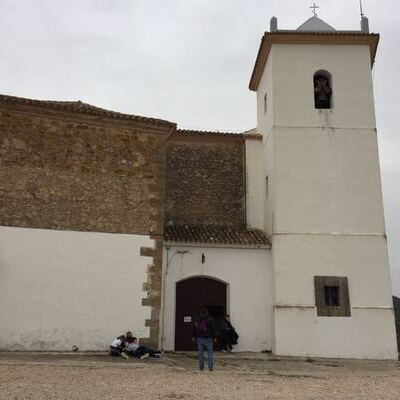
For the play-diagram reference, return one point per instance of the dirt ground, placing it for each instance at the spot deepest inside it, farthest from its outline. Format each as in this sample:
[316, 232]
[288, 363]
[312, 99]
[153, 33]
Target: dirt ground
[176, 376]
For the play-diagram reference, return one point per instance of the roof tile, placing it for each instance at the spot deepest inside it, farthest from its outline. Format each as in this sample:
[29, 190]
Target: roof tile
[195, 132]
[216, 235]
[81, 108]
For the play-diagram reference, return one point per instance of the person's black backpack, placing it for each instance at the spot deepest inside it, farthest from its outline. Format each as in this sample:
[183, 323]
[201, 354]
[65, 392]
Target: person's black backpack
[203, 327]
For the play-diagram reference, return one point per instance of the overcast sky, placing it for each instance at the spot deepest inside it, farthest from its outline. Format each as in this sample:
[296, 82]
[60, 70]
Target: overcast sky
[187, 61]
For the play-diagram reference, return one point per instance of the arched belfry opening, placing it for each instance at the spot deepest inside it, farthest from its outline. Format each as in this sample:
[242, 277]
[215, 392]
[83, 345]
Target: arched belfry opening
[192, 295]
[323, 90]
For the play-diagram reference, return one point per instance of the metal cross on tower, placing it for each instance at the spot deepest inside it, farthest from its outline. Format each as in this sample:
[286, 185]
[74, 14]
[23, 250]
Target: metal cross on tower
[314, 9]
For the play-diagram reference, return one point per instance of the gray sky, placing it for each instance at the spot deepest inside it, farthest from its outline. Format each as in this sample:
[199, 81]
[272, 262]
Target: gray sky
[187, 61]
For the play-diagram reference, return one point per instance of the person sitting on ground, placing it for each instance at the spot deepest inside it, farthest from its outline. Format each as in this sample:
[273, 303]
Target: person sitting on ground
[117, 347]
[134, 349]
[129, 337]
[131, 343]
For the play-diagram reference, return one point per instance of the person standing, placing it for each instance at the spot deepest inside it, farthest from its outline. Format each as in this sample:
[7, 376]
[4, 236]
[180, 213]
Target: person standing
[204, 335]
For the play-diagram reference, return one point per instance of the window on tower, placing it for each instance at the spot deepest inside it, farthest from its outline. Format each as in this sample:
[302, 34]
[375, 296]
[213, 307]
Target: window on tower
[323, 90]
[332, 296]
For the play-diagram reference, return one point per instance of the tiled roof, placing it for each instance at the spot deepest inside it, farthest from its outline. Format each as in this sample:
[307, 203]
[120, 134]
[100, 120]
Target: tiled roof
[252, 134]
[80, 108]
[226, 235]
[319, 33]
[195, 132]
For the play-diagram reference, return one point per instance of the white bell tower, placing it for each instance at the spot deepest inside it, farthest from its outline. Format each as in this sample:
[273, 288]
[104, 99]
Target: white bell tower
[323, 202]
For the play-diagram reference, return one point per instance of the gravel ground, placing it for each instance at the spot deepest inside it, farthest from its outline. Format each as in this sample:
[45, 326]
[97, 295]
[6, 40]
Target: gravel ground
[239, 376]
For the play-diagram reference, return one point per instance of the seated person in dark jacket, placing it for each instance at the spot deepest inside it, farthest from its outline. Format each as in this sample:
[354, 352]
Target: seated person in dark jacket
[134, 349]
[228, 336]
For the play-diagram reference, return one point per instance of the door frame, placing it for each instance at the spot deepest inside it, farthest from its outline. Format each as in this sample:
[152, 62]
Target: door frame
[227, 286]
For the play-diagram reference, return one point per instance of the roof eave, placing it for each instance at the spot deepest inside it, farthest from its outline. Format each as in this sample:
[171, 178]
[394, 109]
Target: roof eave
[303, 37]
[74, 108]
[220, 245]
[192, 132]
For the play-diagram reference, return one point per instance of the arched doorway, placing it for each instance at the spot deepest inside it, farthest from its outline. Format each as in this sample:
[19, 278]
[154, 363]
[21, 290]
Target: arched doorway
[191, 296]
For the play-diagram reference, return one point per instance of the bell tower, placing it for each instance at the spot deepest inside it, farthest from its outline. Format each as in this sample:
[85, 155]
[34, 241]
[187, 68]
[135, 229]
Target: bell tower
[323, 202]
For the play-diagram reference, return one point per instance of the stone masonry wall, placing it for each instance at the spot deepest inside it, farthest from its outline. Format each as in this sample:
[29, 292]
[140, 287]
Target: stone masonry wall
[205, 179]
[58, 172]
[68, 171]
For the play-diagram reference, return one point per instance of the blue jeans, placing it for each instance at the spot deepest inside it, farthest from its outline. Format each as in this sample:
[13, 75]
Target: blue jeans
[205, 344]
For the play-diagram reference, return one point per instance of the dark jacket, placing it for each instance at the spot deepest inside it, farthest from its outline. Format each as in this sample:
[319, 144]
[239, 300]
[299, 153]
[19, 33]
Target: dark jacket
[209, 333]
[229, 330]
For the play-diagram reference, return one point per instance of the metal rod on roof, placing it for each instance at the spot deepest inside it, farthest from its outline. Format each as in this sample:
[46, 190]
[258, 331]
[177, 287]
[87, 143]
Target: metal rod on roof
[361, 10]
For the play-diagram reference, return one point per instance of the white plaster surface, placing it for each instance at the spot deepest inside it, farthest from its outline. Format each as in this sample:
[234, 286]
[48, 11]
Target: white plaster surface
[324, 208]
[362, 259]
[294, 66]
[367, 334]
[266, 87]
[247, 272]
[256, 184]
[327, 181]
[268, 198]
[59, 288]
[266, 158]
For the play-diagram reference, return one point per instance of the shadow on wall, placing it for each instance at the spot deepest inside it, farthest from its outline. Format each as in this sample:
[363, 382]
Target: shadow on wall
[396, 305]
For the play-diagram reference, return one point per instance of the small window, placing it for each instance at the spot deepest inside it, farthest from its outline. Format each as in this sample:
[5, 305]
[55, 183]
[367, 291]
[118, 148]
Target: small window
[323, 90]
[266, 186]
[265, 103]
[332, 296]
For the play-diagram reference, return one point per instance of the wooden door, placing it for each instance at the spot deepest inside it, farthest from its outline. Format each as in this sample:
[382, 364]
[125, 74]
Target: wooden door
[191, 296]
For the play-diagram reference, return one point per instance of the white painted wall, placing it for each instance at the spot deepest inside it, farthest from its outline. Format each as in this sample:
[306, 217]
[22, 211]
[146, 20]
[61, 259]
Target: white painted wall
[265, 121]
[59, 288]
[268, 198]
[369, 332]
[248, 275]
[325, 203]
[255, 180]
[293, 69]
[266, 86]
[327, 181]
[362, 259]
[299, 332]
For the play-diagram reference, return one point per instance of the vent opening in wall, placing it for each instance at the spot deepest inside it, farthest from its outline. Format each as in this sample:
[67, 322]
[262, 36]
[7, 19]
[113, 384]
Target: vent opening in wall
[323, 90]
[265, 103]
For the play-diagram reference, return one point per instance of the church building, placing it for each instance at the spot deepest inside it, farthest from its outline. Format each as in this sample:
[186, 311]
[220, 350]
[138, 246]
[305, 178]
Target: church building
[112, 222]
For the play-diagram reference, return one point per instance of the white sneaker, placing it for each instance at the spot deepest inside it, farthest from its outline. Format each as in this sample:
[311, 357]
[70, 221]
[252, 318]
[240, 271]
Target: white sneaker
[224, 351]
[144, 356]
